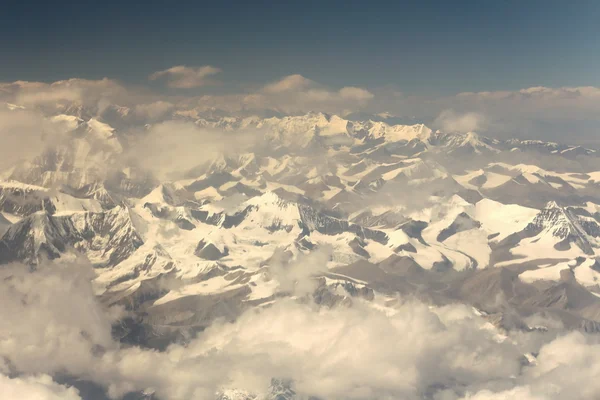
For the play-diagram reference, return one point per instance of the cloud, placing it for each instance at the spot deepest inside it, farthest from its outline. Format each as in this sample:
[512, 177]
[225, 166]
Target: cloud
[354, 93]
[289, 83]
[53, 323]
[290, 94]
[357, 352]
[25, 134]
[564, 114]
[154, 110]
[539, 96]
[176, 146]
[82, 91]
[565, 368]
[450, 121]
[69, 95]
[40, 387]
[520, 393]
[182, 77]
[297, 276]
[295, 93]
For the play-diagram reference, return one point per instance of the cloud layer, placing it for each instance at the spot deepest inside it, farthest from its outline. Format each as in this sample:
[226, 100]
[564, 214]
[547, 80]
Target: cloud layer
[40, 387]
[52, 322]
[566, 114]
[290, 94]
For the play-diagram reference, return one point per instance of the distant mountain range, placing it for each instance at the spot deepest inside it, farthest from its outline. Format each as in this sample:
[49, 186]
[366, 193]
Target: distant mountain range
[396, 209]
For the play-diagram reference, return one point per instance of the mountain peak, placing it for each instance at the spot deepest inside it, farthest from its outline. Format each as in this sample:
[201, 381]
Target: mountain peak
[552, 205]
[565, 224]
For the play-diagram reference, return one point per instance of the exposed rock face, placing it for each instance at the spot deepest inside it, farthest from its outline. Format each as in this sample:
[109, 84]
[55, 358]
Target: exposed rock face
[564, 223]
[328, 225]
[209, 251]
[107, 238]
[463, 222]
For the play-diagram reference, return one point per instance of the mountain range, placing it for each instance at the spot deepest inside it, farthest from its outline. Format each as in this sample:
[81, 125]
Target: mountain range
[509, 227]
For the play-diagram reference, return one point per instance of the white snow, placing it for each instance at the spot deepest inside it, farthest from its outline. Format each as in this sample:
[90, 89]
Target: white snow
[503, 219]
[545, 273]
[214, 285]
[585, 275]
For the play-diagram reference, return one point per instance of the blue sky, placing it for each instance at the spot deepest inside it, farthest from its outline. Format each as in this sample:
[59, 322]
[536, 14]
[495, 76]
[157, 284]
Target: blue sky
[428, 47]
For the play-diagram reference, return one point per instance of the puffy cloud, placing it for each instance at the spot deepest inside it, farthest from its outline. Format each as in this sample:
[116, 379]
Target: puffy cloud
[82, 91]
[52, 322]
[295, 93]
[68, 95]
[288, 83]
[13, 87]
[565, 368]
[450, 121]
[290, 94]
[49, 94]
[535, 112]
[25, 134]
[355, 93]
[519, 393]
[154, 110]
[359, 352]
[295, 277]
[40, 387]
[182, 77]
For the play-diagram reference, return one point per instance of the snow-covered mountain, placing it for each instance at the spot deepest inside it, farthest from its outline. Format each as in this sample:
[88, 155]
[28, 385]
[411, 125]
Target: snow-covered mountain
[385, 209]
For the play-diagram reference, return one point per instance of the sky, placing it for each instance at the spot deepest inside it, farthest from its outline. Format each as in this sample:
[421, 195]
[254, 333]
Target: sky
[502, 68]
[420, 47]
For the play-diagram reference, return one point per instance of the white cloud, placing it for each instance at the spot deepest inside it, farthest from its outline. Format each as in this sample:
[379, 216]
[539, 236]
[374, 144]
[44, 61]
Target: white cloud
[56, 97]
[295, 277]
[565, 114]
[295, 93]
[535, 112]
[183, 77]
[290, 94]
[154, 110]
[175, 147]
[40, 387]
[357, 352]
[355, 93]
[451, 121]
[52, 322]
[520, 393]
[288, 83]
[565, 369]
[82, 91]
[538, 96]
[25, 134]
